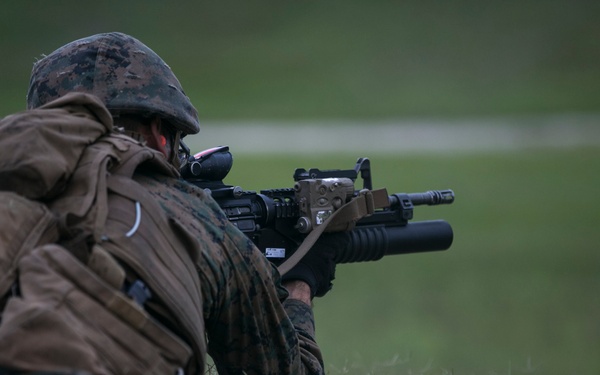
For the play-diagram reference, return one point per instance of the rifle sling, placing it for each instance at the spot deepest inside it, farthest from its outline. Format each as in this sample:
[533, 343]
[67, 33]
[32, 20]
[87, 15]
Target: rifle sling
[343, 219]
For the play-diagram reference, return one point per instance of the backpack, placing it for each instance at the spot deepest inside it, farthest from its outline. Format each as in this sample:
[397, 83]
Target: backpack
[70, 313]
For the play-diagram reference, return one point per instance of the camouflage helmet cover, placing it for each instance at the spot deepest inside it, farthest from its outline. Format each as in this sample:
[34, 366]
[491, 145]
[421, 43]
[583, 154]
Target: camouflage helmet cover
[123, 72]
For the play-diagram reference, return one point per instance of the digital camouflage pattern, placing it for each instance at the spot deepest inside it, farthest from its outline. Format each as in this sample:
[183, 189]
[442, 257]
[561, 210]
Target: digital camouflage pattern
[123, 72]
[249, 330]
[207, 275]
[209, 285]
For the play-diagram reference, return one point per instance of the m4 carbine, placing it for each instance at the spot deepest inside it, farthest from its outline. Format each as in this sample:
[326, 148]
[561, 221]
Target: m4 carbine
[278, 220]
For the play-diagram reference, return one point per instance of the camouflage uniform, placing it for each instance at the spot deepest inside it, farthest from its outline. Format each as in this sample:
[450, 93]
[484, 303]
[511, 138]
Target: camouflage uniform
[249, 324]
[247, 328]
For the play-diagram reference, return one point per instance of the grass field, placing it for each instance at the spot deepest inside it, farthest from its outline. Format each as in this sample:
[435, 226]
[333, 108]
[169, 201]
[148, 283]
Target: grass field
[517, 292]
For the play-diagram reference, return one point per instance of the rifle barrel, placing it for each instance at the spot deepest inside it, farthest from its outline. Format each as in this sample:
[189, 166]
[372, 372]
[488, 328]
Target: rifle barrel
[430, 198]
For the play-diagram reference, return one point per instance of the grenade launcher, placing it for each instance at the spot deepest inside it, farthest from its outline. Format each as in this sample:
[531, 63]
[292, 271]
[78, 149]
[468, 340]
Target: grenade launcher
[278, 220]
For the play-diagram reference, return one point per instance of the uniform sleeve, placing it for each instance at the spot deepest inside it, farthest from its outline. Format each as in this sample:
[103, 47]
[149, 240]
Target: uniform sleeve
[302, 318]
[250, 326]
[249, 311]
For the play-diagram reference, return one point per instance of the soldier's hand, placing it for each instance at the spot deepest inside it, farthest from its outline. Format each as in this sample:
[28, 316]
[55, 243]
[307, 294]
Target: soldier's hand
[317, 267]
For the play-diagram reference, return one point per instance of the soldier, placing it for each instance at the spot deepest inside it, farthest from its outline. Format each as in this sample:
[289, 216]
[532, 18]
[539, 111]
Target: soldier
[142, 272]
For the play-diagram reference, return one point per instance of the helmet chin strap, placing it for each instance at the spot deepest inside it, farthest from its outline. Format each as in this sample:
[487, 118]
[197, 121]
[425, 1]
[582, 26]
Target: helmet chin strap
[174, 158]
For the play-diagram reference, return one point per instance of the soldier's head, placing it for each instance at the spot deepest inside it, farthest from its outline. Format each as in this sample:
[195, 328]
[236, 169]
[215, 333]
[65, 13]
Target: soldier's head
[135, 84]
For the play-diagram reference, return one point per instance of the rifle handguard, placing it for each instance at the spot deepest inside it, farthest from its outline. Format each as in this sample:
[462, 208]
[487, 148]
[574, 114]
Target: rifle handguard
[344, 218]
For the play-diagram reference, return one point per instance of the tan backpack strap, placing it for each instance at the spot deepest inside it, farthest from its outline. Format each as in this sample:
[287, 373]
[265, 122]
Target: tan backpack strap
[132, 154]
[343, 219]
[160, 252]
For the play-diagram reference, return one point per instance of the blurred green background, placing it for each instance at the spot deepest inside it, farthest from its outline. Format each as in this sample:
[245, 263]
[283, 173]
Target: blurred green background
[281, 59]
[518, 292]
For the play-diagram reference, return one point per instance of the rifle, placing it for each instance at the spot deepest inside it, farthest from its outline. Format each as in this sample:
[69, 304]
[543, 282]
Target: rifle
[278, 220]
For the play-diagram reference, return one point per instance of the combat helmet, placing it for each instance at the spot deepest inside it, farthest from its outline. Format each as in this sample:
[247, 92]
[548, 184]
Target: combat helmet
[124, 73]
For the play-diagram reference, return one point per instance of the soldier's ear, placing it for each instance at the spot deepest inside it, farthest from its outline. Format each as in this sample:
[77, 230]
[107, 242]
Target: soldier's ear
[154, 138]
